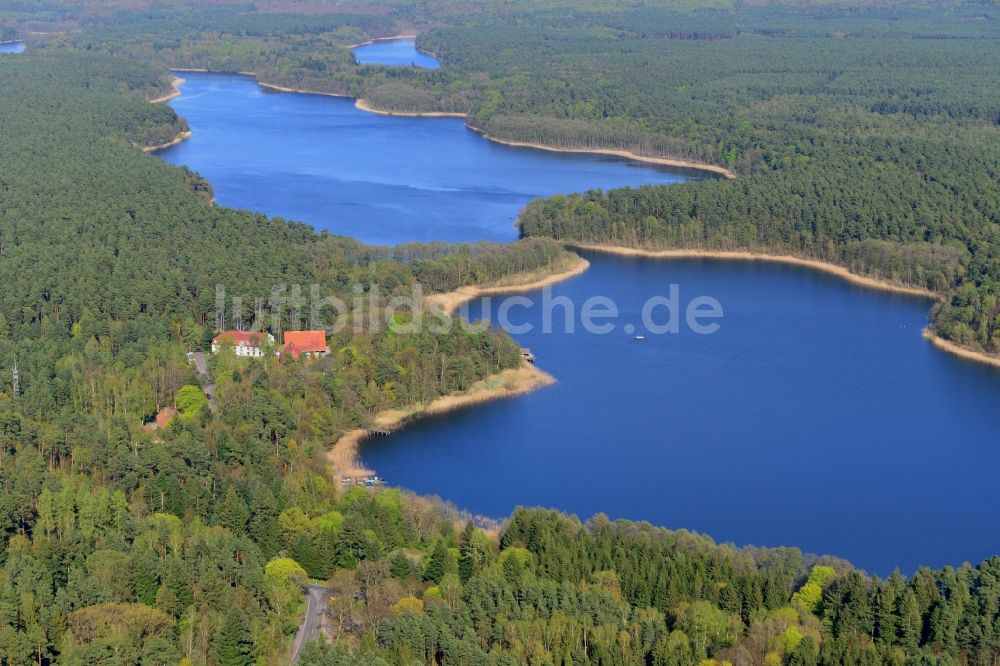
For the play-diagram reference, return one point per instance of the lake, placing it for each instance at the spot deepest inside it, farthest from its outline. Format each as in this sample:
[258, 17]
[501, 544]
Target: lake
[379, 179]
[12, 47]
[398, 52]
[816, 416]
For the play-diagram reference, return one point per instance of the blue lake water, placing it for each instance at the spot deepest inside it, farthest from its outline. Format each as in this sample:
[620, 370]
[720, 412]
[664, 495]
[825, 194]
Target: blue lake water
[12, 47]
[394, 52]
[379, 179]
[816, 417]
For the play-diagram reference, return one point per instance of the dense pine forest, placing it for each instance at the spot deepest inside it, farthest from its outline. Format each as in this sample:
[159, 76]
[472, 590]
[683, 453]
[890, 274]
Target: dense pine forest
[867, 137]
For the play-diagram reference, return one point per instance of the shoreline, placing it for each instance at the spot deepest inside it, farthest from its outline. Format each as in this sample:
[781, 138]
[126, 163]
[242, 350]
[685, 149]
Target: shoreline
[175, 83]
[361, 104]
[961, 352]
[449, 301]
[285, 89]
[183, 136]
[373, 40]
[343, 458]
[625, 154]
[744, 255]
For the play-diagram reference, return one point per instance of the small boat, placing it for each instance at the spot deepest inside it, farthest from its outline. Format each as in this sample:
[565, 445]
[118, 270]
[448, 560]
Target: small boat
[640, 337]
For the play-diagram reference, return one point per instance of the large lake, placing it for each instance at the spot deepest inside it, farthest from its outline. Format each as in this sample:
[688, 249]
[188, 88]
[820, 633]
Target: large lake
[817, 416]
[376, 178]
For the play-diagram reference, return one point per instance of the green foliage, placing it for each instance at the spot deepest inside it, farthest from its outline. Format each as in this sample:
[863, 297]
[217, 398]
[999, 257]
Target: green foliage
[234, 643]
[811, 592]
[118, 547]
[190, 401]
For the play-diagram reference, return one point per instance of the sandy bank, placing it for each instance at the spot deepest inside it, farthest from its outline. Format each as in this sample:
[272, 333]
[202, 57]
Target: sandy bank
[814, 264]
[450, 301]
[364, 106]
[183, 136]
[276, 87]
[963, 352]
[382, 39]
[175, 82]
[662, 161]
[343, 457]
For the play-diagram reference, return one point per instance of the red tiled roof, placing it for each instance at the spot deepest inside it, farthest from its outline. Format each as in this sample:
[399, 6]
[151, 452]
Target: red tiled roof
[303, 342]
[163, 418]
[246, 338]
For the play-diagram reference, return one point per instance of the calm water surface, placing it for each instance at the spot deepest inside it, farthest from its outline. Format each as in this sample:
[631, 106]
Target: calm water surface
[394, 52]
[376, 178]
[817, 416]
[12, 47]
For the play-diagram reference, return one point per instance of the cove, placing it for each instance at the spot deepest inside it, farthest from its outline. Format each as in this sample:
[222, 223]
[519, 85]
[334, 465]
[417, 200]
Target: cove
[380, 179]
[398, 52]
[816, 417]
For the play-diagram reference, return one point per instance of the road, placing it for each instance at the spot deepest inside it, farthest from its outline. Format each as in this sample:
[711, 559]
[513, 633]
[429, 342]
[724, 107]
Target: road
[200, 361]
[316, 600]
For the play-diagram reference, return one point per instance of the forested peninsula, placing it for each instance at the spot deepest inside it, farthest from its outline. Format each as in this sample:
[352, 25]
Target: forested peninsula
[866, 138]
[189, 544]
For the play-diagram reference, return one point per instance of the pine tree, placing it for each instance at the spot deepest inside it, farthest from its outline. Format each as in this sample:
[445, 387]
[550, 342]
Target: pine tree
[145, 580]
[435, 568]
[475, 552]
[233, 511]
[400, 567]
[909, 621]
[234, 642]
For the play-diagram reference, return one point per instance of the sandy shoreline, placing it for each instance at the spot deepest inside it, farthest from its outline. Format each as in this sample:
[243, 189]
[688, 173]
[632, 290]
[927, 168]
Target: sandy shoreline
[183, 136]
[277, 88]
[450, 301]
[381, 39]
[661, 161]
[175, 83]
[738, 255]
[343, 457]
[364, 106]
[962, 352]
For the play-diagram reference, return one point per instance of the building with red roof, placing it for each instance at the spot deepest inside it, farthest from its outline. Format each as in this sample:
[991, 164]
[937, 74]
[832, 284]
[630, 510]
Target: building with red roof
[310, 343]
[244, 343]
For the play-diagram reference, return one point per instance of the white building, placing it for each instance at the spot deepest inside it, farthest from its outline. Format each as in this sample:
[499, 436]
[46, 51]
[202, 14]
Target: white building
[243, 343]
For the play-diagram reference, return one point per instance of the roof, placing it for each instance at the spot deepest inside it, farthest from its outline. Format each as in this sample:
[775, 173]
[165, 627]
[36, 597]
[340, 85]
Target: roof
[164, 417]
[244, 338]
[305, 342]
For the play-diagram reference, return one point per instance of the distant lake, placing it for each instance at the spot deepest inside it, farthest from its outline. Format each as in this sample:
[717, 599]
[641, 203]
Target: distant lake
[380, 179]
[12, 47]
[394, 52]
[816, 417]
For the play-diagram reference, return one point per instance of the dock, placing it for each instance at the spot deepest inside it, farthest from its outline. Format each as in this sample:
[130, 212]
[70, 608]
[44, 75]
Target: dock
[379, 432]
[368, 481]
[526, 355]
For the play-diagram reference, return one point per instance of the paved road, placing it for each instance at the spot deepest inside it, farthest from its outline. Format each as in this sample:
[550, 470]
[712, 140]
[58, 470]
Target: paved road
[316, 601]
[200, 362]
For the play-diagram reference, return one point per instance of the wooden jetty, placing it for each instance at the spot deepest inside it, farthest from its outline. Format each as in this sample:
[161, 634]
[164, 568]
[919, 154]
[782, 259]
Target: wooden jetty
[379, 432]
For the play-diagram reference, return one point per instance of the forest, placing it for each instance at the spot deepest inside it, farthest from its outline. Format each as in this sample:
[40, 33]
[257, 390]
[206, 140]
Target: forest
[867, 137]
[863, 136]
